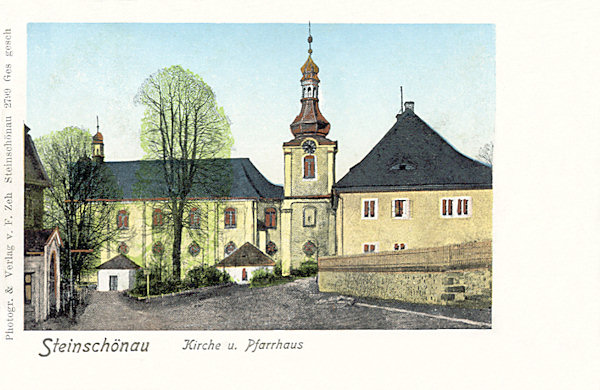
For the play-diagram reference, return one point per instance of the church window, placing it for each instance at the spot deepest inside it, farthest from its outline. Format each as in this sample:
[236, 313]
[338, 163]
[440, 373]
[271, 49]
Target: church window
[309, 167]
[458, 207]
[309, 248]
[271, 248]
[194, 249]
[400, 209]
[230, 218]
[194, 218]
[123, 248]
[270, 218]
[230, 248]
[369, 210]
[158, 248]
[122, 219]
[310, 216]
[370, 247]
[28, 287]
[157, 217]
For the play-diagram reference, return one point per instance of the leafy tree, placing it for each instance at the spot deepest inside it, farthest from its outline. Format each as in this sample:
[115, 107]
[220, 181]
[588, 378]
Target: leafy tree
[189, 135]
[75, 180]
[486, 153]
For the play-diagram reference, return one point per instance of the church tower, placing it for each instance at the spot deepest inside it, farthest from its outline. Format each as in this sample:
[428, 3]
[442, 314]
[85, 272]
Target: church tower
[98, 145]
[308, 222]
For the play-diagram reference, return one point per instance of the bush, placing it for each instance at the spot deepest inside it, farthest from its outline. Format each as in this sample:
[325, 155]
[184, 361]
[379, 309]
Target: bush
[203, 276]
[263, 277]
[277, 269]
[307, 268]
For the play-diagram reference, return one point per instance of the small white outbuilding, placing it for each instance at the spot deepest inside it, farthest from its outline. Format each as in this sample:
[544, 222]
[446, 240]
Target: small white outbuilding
[242, 263]
[117, 274]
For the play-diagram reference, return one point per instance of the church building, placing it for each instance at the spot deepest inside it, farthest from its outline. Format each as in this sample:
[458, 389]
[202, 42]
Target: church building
[412, 190]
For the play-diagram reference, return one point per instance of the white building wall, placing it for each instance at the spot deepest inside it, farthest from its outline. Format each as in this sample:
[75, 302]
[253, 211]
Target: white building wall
[236, 272]
[125, 279]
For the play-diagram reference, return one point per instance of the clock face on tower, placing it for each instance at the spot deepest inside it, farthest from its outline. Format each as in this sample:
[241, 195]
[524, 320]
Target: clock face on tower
[309, 146]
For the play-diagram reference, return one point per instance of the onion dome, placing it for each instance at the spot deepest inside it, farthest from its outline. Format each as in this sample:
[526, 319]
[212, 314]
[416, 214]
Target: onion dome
[310, 121]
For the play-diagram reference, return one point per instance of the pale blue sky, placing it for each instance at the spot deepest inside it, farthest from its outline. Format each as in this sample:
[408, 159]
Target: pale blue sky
[78, 71]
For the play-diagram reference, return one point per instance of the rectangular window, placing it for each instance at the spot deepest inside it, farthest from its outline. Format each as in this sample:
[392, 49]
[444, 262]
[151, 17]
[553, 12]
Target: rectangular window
[194, 218]
[456, 207]
[230, 218]
[28, 287]
[400, 209]
[309, 167]
[370, 247]
[270, 218]
[369, 210]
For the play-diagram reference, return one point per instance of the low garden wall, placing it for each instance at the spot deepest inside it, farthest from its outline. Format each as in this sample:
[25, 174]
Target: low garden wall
[441, 275]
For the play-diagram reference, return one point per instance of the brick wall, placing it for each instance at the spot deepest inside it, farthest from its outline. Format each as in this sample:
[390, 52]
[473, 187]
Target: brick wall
[441, 275]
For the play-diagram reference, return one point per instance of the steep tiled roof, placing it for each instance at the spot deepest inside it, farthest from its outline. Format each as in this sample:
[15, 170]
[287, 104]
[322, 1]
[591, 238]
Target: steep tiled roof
[35, 240]
[35, 173]
[119, 262]
[413, 156]
[235, 178]
[246, 255]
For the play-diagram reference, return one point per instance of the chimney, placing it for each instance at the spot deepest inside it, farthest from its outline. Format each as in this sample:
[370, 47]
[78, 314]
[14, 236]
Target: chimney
[409, 106]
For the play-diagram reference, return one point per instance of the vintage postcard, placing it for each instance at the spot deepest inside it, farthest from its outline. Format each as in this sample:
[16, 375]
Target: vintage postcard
[248, 192]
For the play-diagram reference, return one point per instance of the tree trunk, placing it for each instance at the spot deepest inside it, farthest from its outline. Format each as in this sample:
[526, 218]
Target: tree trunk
[177, 231]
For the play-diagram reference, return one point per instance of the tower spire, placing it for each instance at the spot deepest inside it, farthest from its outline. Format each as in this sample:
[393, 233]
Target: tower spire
[98, 144]
[310, 120]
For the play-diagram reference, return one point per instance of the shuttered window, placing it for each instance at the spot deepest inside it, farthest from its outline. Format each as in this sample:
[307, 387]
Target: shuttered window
[369, 209]
[456, 207]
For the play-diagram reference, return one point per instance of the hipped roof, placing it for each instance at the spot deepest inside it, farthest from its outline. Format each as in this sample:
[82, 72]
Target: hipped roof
[412, 156]
[246, 255]
[119, 262]
[228, 178]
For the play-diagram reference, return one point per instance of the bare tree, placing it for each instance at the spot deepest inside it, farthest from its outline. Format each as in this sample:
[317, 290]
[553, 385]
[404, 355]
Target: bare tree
[189, 135]
[76, 179]
[486, 153]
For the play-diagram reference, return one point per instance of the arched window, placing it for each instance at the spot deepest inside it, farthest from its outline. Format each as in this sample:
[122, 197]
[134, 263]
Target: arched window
[270, 218]
[229, 218]
[309, 167]
[194, 218]
[122, 219]
[157, 217]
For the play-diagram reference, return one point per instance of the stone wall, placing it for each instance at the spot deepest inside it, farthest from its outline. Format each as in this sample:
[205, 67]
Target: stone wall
[442, 275]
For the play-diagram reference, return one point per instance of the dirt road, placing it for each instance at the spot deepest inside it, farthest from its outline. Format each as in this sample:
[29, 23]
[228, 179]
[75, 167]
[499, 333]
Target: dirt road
[296, 305]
